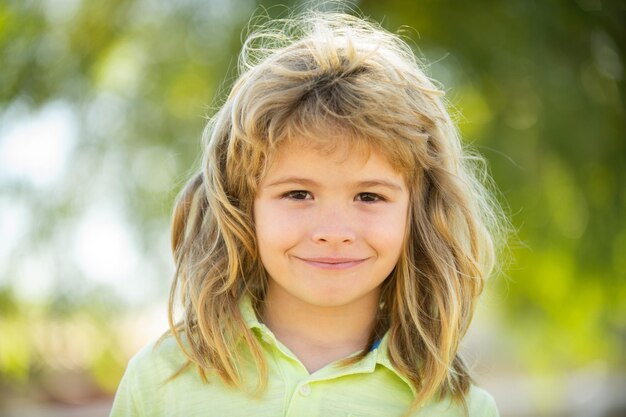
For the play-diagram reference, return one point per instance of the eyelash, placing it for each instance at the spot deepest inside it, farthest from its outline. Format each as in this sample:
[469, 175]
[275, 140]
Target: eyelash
[376, 197]
[290, 194]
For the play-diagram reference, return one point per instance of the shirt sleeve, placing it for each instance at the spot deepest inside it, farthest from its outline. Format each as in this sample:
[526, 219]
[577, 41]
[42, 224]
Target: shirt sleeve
[125, 403]
[482, 404]
[491, 410]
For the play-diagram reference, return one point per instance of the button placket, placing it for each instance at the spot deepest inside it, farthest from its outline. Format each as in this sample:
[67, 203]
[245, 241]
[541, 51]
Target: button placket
[305, 390]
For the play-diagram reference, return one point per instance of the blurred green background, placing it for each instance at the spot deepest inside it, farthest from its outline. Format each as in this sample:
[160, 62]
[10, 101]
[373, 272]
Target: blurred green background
[102, 106]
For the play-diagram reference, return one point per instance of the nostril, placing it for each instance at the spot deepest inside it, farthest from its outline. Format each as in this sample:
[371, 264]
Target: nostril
[345, 236]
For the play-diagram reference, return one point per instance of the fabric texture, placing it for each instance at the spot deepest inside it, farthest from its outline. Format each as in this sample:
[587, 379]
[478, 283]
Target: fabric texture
[369, 388]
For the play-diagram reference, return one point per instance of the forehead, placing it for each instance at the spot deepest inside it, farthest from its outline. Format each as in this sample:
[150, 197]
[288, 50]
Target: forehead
[338, 164]
[336, 145]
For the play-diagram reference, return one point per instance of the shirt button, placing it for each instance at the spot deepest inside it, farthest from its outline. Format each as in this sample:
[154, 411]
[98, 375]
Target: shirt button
[305, 390]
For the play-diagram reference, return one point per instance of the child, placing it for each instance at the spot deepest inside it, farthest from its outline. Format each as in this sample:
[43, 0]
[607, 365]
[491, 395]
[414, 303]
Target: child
[331, 251]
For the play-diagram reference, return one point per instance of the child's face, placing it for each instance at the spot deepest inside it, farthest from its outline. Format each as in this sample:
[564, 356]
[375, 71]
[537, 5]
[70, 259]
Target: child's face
[330, 227]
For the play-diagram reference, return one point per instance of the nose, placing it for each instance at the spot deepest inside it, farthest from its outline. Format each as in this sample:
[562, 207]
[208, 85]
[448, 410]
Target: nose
[333, 226]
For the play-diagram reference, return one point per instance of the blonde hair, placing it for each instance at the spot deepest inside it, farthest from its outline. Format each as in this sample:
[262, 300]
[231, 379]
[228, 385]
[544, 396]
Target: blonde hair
[298, 78]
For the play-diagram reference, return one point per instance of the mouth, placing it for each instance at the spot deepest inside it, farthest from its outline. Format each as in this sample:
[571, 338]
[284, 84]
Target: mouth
[333, 263]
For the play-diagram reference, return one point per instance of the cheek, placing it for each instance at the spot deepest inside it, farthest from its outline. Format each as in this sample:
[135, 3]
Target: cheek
[391, 234]
[388, 235]
[274, 228]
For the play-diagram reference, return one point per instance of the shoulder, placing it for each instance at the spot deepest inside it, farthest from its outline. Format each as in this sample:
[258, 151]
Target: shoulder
[143, 389]
[480, 403]
[158, 356]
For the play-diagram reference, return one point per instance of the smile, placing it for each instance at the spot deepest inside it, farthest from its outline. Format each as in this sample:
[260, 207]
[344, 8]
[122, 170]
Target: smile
[332, 263]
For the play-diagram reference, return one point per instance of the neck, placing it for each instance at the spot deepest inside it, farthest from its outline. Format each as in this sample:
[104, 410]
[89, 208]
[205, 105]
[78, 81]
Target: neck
[319, 335]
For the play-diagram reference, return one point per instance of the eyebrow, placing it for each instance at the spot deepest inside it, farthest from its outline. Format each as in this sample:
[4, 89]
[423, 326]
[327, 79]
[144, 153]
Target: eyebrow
[310, 183]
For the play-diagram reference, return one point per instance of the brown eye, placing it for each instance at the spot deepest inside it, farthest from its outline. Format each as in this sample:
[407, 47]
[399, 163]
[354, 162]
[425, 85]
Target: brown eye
[369, 197]
[297, 195]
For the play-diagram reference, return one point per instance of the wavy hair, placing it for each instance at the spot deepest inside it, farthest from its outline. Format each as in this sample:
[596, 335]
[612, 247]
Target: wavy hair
[298, 78]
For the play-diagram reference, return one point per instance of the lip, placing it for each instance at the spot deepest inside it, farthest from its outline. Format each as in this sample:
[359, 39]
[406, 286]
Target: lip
[333, 264]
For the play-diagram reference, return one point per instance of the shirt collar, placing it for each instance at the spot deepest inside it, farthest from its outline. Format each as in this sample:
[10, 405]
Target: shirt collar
[378, 355]
[382, 358]
[248, 314]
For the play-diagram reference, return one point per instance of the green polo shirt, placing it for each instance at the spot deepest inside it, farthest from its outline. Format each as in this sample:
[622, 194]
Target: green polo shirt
[369, 388]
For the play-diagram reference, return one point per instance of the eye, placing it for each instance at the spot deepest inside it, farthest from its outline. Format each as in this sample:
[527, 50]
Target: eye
[369, 197]
[297, 195]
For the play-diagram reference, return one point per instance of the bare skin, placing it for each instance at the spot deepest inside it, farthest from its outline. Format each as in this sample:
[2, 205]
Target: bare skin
[330, 229]
[317, 335]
